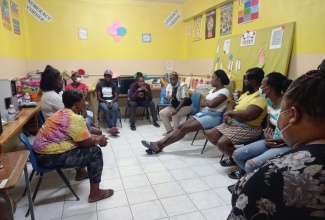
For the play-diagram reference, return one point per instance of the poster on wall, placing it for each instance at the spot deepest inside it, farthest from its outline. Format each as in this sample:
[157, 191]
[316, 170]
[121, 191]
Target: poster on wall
[276, 38]
[197, 28]
[173, 18]
[38, 12]
[226, 46]
[226, 19]
[248, 38]
[5, 14]
[249, 11]
[82, 34]
[210, 29]
[15, 17]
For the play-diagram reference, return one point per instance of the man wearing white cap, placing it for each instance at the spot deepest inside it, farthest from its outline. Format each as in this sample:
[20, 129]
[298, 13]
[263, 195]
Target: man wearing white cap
[107, 95]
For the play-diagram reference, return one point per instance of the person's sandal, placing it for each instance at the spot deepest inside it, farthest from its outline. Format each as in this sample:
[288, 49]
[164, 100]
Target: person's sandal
[227, 162]
[236, 174]
[150, 152]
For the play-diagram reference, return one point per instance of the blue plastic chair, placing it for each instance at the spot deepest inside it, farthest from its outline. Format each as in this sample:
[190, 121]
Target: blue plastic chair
[145, 110]
[162, 100]
[40, 117]
[41, 171]
[196, 101]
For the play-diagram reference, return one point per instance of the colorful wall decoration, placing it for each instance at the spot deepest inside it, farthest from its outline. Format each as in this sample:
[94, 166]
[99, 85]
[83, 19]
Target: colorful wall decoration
[15, 17]
[226, 19]
[116, 31]
[197, 28]
[249, 11]
[210, 30]
[5, 14]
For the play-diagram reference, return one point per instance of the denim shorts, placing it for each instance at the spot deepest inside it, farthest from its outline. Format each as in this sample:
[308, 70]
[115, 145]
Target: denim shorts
[209, 119]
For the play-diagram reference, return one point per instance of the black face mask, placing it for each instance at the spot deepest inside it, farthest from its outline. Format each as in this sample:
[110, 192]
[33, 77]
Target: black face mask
[249, 87]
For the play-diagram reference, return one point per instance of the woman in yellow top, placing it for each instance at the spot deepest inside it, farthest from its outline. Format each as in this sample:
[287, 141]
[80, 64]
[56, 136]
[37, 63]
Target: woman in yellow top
[65, 142]
[243, 123]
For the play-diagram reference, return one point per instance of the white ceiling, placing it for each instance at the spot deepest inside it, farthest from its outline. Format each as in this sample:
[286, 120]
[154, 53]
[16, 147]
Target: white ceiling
[170, 1]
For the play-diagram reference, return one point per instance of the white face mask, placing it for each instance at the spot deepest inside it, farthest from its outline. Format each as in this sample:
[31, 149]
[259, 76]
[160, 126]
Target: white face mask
[281, 131]
[260, 91]
[78, 80]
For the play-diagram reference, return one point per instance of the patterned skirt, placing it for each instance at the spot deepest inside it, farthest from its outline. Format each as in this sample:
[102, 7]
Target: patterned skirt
[239, 134]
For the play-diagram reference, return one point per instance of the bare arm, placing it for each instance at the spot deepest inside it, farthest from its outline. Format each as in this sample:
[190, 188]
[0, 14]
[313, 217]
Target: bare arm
[251, 113]
[215, 102]
[93, 140]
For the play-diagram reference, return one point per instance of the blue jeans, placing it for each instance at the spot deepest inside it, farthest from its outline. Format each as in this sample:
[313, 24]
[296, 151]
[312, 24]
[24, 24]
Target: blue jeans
[88, 123]
[103, 106]
[258, 152]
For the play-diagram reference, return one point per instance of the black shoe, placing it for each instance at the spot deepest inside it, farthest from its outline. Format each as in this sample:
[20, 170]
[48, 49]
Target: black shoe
[231, 188]
[236, 174]
[156, 124]
[133, 128]
[227, 162]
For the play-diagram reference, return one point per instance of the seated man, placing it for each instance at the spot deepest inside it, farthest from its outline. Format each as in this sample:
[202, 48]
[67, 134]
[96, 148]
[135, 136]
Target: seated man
[140, 94]
[107, 95]
[65, 142]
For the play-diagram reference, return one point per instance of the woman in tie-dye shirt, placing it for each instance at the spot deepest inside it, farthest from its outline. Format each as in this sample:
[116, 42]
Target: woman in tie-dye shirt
[65, 142]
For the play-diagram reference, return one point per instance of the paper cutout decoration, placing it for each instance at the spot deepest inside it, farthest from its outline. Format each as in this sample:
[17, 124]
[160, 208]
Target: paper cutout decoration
[116, 31]
[231, 57]
[238, 65]
[218, 59]
[226, 46]
[218, 48]
[221, 65]
[248, 38]
[230, 65]
[261, 60]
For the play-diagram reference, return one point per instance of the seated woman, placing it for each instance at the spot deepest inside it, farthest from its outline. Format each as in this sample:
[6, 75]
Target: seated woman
[211, 116]
[78, 85]
[251, 156]
[291, 186]
[51, 84]
[107, 95]
[181, 104]
[244, 122]
[140, 94]
[65, 142]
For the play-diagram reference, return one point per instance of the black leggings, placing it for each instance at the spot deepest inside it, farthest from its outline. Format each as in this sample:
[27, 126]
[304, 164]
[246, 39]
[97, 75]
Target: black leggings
[90, 157]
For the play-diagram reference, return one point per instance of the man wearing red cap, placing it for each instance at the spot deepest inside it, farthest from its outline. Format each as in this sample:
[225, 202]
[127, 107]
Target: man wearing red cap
[107, 95]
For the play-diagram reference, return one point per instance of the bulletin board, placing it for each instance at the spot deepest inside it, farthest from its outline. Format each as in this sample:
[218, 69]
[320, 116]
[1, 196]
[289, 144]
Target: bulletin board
[267, 49]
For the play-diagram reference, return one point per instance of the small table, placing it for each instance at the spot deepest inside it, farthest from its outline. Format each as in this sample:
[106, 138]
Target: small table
[9, 130]
[13, 164]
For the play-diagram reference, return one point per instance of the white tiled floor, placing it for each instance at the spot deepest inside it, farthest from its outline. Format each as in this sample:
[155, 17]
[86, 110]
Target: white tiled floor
[177, 184]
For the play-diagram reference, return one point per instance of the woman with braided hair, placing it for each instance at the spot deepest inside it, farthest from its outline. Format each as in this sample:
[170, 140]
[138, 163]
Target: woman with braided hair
[291, 186]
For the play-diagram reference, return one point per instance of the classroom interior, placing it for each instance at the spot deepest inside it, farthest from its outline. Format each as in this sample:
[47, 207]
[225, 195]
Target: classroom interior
[179, 183]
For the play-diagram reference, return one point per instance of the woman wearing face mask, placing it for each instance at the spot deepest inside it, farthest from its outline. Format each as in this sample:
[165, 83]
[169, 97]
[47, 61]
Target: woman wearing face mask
[77, 84]
[181, 103]
[242, 124]
[291, 186]
[251, 156]
[211, 116]
[65, 142]
[140, 94]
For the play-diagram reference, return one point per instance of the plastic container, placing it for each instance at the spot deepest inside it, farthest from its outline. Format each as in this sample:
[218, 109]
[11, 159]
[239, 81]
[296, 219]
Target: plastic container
[11, 114]
[26, 98]
[236, 95]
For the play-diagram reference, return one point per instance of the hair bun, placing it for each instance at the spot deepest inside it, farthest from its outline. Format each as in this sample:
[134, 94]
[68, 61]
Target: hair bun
[321, 67]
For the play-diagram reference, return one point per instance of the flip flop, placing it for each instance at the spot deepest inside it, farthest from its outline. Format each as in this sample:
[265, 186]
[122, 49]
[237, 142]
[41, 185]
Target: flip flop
[147, 144]
[150, 152]
[108, 193]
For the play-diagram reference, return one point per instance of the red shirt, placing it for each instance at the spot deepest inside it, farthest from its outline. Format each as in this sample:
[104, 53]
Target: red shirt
[81, 87]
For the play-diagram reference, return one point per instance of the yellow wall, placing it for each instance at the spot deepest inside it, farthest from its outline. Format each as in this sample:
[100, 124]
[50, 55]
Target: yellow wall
[13, 45]
[308, 37]
[59, 40]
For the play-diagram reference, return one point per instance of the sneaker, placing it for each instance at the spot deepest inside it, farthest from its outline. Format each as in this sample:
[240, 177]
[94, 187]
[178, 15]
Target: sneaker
[236, 174]
[227, 162]
[133, 128]
[156, 124]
